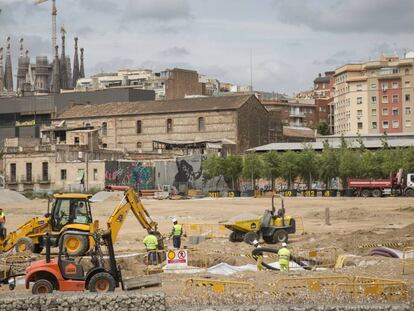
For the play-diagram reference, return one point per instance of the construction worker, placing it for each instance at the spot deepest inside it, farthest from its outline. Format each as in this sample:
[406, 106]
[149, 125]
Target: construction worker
[151, 244]
[259, 259]
[284, 256]
[176, 233]
[2, 224]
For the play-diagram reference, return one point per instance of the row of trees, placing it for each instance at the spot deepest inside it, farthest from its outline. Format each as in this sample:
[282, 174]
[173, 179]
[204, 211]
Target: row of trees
[310, 166]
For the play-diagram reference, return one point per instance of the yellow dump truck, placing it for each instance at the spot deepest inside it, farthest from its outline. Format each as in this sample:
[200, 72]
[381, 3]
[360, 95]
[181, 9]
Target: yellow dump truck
[72, 211]
[272, 227]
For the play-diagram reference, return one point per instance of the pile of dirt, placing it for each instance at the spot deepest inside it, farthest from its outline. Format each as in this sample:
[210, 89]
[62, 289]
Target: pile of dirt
[9, 196]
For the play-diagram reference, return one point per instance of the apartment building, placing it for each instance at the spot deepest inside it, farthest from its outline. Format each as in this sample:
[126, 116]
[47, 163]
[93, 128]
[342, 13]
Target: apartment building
[374, 97]
[323, 93]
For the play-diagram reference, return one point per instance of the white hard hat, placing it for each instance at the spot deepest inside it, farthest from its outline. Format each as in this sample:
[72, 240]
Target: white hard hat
[255, 242]
[284, 244]
[174, 220]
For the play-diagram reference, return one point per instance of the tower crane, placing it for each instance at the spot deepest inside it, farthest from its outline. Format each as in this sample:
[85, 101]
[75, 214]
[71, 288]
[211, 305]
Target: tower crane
[54, 14]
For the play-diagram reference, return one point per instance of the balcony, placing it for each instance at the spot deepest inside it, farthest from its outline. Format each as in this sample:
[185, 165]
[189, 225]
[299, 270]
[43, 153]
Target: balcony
[11, 180]
[294, 114]
[43, 179]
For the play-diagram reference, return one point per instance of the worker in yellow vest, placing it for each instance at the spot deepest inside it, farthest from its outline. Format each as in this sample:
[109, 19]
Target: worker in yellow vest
[2, 224]
[284, 257]
[176, 233]
[151, 244]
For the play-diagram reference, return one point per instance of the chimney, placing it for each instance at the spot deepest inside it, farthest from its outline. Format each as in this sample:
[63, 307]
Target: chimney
[82, 68]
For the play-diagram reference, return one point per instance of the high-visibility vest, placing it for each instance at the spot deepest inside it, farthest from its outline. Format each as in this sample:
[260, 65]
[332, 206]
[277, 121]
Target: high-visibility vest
[151, 242]
[284, 256]
[2, 217]
[177, 230]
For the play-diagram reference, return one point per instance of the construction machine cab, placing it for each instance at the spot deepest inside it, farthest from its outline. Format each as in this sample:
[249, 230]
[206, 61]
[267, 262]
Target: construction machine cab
[70, 208]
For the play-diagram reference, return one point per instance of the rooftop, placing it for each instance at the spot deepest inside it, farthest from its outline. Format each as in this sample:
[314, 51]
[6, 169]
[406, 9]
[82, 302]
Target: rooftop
[156, 107]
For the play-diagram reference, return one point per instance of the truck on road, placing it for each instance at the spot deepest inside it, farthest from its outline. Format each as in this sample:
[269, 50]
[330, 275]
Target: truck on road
[398, 184]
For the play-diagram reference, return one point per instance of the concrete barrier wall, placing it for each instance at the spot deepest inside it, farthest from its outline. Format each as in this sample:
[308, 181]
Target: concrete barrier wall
[86, 302]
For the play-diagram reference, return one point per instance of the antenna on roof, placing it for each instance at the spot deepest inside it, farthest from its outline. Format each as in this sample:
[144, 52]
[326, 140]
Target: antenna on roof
[251, 69]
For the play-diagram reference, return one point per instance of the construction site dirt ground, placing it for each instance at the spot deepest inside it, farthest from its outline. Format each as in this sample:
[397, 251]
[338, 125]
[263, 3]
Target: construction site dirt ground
[354, 222]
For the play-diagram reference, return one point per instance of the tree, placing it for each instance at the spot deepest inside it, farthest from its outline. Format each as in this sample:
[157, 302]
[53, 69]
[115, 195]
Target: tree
[348, 165]
[408, 160]
[307, 165]
[212, 166]
[328, 165]
[252, 167]
[289, 167]
[231, 169]
[323, 128]
[271, 166]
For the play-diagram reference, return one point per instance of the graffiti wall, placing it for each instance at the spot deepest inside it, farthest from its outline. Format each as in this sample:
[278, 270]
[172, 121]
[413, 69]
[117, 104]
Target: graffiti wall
[186, 173]
[129, 173]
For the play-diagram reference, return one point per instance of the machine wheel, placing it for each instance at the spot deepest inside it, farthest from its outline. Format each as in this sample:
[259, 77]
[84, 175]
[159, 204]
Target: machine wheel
[102, 282]
[76, 245]
[236, 236]
[292, 226]
[250, 237]
[42, 286]
[409, 193]
[376, 193]
[24, 245]
[280, 236]
[365, 193]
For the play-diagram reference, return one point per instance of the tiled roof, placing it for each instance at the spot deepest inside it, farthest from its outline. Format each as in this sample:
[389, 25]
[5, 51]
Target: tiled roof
[155, 107]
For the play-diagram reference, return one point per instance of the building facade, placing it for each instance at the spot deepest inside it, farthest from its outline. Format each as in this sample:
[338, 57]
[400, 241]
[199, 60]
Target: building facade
[242, 120]
[323, 93]
[374, 97]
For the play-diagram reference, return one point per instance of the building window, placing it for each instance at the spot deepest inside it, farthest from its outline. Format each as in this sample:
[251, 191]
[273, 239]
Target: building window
[374, 112]
[407, 97]
[104, 146]
[63, 175]
[139, 145]
[95, 174]
[395, 85]
[407, 71]
[13, 172]
[374, 125]
[395, 124]
[169, 126]
[359, 87]
[384, 124]
[139, 127]
[407, 110]
[45, 171]
[201, 124]
[373, 86]
[394, 99]
[359, 113]
[360, 125]
[385, 112]
[374, 99]
[104, 129]
[384, 86]
[407, 123]
[76, 140]
[28, 171]
[395, 112]
[359, 100]
[407, 83]
[385, 99]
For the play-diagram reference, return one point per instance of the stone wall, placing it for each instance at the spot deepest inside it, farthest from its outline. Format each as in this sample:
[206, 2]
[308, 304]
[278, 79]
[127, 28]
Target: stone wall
[86, 301]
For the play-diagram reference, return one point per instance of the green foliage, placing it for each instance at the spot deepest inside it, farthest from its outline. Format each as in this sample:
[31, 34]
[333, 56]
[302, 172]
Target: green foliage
[231, 168]
[328, 163]
[289, 166]
[212, 166]
[252, 167]
[323, 128]
[349, 162]
[307, 166]
[271, 168]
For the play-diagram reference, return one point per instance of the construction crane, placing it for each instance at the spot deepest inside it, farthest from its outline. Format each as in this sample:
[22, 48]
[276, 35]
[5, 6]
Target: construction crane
[54, 14]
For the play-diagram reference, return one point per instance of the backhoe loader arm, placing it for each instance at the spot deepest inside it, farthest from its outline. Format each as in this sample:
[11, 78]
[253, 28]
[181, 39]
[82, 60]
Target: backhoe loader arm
[130, 201]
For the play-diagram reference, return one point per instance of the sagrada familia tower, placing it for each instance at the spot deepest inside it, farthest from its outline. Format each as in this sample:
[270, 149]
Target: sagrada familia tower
[40, 77]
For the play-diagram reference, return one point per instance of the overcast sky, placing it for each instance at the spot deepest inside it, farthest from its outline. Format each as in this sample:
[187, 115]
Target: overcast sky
[291, 40]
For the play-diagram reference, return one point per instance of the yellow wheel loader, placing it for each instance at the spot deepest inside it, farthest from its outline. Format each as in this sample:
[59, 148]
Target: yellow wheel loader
[72, 211]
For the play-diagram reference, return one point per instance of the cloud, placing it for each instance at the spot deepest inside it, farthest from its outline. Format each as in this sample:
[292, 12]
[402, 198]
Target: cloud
[112, 65]
[351, 16]
[175, 51]
[160, 10]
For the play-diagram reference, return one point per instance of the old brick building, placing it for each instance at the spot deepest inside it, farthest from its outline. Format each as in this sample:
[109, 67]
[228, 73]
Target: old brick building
[137, 126]
[323, 93]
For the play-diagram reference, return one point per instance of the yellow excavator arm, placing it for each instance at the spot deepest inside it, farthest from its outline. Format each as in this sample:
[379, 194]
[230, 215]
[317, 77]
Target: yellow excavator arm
[130, 201]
